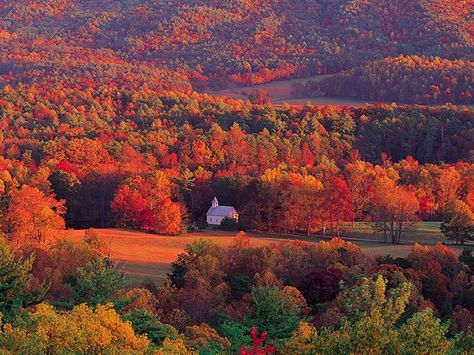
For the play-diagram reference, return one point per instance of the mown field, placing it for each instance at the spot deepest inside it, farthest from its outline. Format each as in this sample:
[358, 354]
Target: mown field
[143, 256]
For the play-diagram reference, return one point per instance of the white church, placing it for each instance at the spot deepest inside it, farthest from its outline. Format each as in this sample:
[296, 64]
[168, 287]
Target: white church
[217, 213]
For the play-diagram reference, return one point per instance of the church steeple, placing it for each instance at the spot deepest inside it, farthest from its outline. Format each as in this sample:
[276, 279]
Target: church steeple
[215, 203]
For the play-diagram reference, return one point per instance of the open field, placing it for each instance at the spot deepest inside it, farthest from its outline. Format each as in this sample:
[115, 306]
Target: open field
[282, 92]
[423, 232]
[277, 90]
[143, 256]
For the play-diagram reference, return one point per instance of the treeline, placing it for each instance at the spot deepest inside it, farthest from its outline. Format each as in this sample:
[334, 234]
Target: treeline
[291, 298]
[155, 161]
[211, 44]
[319, 199]
[408, 79]
[324, 198]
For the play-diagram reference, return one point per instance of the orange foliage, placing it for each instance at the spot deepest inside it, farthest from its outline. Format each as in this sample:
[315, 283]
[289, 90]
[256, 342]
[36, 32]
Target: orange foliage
[33, 218]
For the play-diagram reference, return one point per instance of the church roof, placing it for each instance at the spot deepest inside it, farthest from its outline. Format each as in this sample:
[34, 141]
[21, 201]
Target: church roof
[220, 211]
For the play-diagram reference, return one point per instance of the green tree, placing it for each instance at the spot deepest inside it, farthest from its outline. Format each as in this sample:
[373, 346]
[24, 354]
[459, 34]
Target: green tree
[372, 311]
[371, 326]
[237, 334]
[15, 277]
[275, 312]
[372, 299]
[95, 283]
[144, 322]
[424, 334]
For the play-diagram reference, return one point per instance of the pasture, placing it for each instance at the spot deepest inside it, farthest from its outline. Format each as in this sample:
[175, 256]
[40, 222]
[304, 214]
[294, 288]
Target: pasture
[143, 256]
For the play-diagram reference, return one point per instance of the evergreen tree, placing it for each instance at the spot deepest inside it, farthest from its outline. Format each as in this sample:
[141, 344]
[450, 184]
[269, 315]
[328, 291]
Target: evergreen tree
[15, 277]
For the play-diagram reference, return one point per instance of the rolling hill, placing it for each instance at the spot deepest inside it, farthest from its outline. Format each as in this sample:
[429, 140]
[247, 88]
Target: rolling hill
[170, 44]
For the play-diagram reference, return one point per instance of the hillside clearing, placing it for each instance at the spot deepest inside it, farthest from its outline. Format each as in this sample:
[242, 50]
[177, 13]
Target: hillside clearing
[281, 92]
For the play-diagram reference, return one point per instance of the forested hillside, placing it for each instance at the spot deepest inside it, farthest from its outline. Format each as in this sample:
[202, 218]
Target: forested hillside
[107, 152]
[212, 43]
[152, 160]
[409, 79]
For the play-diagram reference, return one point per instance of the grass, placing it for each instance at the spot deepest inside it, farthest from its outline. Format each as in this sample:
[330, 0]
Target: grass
[423, 232]
[144, 256]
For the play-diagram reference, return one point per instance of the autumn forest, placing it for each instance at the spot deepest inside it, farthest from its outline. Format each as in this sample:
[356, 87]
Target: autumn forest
[355, 227]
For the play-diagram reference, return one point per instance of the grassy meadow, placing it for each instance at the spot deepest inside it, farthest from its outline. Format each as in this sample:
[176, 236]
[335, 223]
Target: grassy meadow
[143, 256]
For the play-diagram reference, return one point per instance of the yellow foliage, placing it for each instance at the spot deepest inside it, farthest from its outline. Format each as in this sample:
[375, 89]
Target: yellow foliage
[174, 347]
[202, 335]
[82, 330]
[271, 176]
[140, 298]
[301, 342]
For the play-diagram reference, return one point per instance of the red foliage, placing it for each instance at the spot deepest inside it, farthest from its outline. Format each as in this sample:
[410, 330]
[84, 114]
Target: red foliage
[259, 345]
[130, 208]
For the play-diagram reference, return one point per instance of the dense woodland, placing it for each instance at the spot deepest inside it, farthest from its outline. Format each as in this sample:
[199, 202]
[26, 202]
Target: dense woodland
[409, 79]
[210, 44]
[154, 161]
[104, 122]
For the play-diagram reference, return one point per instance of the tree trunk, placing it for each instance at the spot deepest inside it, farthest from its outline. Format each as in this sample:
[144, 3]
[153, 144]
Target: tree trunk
[443, 149]
[392, 232]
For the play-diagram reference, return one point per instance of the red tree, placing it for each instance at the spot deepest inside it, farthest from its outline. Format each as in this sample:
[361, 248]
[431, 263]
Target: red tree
[259, 345]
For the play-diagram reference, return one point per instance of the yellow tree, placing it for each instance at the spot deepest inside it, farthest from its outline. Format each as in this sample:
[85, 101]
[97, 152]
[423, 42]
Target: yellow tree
[82, 330]
[174, 347]
[203, 335]
[302, 341]
[458, 221]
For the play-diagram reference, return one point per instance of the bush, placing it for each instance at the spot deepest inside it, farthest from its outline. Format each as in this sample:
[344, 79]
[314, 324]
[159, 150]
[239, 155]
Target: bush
[231, 224]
